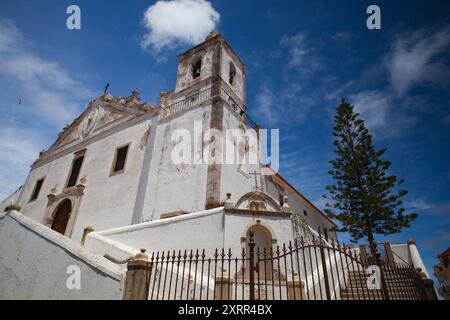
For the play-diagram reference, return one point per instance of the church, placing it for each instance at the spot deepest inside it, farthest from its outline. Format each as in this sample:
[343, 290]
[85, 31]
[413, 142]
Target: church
[112, 166]
[110, 185]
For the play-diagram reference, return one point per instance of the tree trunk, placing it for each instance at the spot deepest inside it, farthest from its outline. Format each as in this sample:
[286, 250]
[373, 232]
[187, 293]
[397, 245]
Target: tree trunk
[373, 247]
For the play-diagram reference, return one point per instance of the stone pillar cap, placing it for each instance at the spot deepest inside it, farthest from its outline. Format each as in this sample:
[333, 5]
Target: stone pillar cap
[141, 256]
[13, 206]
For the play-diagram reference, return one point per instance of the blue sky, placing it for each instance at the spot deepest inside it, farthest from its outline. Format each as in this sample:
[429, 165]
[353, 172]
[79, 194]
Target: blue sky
[301, 57]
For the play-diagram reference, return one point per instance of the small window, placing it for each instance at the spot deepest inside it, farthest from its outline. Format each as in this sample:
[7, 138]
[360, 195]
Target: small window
[325, 233]
[120, 159]
[76, 167]
[37, 189]
[305, 213]
[280, 198]
[196, 69]
[232, 73]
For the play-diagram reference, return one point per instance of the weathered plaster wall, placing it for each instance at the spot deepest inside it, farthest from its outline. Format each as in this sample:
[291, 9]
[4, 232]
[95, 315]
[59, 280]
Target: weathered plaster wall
[172, 187]
[314, 218]
[184, 73]
[238, 85]
[236, 178]
[34, 261]
[192, 231]
[207, 230]
[108, 201]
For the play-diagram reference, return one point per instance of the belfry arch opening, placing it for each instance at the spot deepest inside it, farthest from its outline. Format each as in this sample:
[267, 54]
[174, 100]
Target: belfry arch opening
[232, 75]
[196, 68]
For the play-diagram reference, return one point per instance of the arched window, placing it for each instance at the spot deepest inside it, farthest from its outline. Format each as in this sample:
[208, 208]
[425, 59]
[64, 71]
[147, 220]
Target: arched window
[196, 68]
[61, 216]
[232, 75]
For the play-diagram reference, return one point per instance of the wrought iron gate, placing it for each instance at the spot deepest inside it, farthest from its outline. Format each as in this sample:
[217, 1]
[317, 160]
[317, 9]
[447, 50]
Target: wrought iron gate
[313, 270]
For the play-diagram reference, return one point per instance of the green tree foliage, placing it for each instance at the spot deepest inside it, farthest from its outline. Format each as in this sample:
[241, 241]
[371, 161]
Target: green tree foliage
[363, 197]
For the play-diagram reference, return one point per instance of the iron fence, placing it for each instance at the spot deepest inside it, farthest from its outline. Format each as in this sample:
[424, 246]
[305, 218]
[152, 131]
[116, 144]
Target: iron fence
[313, 270]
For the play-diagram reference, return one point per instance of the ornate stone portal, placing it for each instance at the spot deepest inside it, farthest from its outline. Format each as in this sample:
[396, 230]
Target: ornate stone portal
[72, 194]
[258, 201]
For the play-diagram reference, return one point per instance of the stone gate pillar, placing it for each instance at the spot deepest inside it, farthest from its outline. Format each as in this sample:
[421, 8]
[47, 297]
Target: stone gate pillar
[137, 280]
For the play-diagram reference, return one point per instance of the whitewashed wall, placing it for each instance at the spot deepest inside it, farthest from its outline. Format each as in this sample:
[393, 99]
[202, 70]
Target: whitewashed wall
[172, 187]
[34, 261]
[236, 179]
[108, 200]
[238, 86]
[314, 218]
[13, 198]
[207, 230]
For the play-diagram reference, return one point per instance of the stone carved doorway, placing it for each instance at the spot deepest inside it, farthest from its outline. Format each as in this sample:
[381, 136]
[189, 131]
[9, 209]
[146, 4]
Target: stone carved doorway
[62, 216]
[263, 245]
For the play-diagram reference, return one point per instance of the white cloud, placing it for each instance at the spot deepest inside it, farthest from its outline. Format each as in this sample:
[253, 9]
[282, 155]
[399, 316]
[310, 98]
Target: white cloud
[19, 148]
[419, 204]
[46, 89]
[171, 23]
[343, 36]
[10, 37]
[374, 106]
[50, 97]
[265, 104]
[300, 53]
[413, 59]
[289, 98]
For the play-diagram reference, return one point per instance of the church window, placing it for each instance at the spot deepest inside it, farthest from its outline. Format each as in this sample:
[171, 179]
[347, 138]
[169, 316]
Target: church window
[196, 68]
[75, 171]
[37, 189]
[305, 213]
[232, 76]
[120, 160]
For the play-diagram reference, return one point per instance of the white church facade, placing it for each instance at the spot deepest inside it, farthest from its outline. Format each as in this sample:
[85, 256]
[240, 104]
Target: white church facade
[109, 185]
[112, 166]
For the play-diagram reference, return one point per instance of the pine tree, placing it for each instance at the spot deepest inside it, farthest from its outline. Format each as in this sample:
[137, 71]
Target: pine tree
[363, 195]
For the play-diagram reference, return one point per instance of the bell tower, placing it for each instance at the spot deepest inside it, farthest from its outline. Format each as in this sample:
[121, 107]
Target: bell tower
[210, 63]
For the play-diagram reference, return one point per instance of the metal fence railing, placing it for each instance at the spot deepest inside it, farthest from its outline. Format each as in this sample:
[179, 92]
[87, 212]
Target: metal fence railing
[313, 270]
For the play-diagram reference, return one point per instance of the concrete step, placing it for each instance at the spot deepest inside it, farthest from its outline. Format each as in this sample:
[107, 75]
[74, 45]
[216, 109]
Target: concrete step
[365, 290]
[374, 298]
[389, 282]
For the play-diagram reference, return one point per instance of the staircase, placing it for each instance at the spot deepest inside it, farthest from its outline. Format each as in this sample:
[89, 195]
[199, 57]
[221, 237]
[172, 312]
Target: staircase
[399, 287]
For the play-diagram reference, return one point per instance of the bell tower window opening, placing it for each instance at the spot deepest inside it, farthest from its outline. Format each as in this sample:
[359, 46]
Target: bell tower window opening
[196, 68]
[232, 75]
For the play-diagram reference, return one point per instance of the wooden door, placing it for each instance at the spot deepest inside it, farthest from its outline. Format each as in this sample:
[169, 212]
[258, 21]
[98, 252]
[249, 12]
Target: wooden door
[62, 216]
